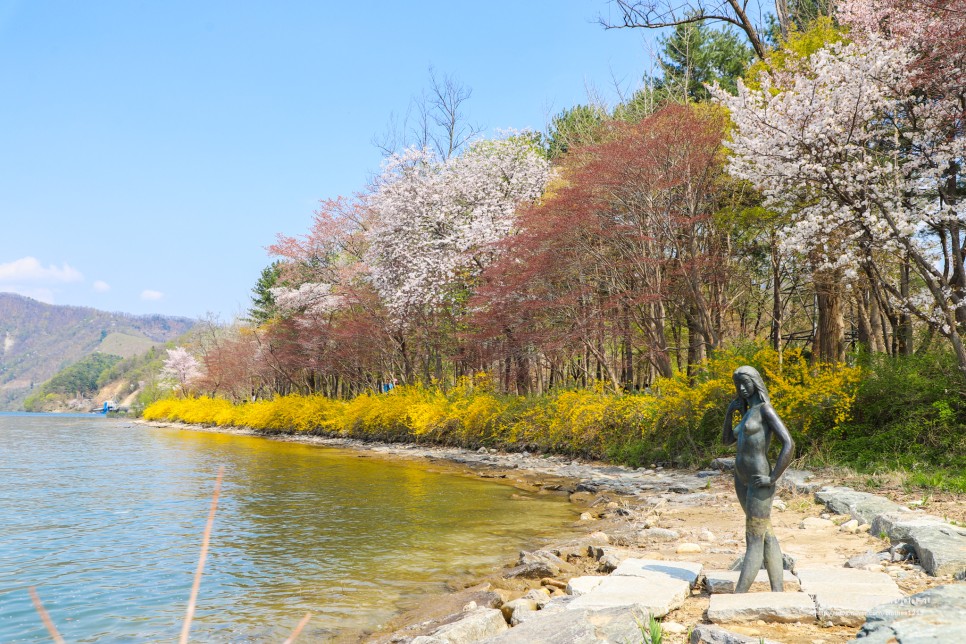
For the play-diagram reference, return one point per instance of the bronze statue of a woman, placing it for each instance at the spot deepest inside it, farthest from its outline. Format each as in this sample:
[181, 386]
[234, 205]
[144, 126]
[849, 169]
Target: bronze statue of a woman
[754, 479]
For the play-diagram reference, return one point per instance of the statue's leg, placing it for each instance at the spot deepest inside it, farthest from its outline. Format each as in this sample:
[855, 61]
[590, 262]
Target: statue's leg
[757, 531]
[773, 561]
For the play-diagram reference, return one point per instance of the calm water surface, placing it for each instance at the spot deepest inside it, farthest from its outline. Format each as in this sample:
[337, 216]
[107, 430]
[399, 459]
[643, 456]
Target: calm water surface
[105, 519]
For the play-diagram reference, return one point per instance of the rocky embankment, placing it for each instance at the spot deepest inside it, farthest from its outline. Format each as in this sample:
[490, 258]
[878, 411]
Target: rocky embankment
[665, 544]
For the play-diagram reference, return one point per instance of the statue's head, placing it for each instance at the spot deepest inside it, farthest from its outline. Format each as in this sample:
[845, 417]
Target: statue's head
[748, 381]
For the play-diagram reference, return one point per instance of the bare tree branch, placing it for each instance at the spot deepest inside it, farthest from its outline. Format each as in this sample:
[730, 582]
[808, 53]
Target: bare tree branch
[657, 14]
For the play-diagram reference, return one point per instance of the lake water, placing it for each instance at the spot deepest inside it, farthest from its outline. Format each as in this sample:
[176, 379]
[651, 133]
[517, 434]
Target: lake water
[105, 519]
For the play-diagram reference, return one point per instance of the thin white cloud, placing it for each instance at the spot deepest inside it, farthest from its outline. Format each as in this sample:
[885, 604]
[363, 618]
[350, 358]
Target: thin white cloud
[101, 286]
[150, 295]
[29, 269]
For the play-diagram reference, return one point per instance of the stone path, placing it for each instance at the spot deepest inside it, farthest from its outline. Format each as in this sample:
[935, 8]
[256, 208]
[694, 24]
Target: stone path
[828, 595]
[939, 545]
[613, 607]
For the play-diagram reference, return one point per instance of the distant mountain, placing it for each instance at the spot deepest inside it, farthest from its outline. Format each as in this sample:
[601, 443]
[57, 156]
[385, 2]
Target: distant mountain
[37, 340]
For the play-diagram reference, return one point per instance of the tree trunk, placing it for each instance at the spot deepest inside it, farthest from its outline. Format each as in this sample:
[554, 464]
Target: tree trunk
[776, 296]
[830, 327]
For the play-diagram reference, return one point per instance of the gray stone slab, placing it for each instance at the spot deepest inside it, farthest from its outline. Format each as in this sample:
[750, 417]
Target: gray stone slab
[848, 608]
[724, 581]
[935, 616]
[769, 607]
[708, 634]
[940, 546]
[578, 586]
[862, 506]
[585, 626]
[656, 592]
[832, 579]
[474, 626]
[797, 481]
[684, 570]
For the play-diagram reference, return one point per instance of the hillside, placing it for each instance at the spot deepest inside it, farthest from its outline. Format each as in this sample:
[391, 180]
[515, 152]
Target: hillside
[39, 340]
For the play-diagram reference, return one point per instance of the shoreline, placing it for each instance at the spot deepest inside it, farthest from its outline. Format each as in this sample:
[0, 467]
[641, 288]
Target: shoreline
[646, 512]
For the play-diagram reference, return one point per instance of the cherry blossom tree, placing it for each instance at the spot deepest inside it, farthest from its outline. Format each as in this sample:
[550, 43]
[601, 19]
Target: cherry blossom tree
[180, 369]
[863, 161]
[437, 221]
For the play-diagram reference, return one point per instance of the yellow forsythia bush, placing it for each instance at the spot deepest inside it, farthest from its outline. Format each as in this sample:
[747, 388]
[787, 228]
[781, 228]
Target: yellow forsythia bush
[678, 417]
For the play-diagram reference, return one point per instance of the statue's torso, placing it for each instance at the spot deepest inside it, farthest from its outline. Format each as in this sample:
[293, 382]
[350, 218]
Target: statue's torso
[753, 440]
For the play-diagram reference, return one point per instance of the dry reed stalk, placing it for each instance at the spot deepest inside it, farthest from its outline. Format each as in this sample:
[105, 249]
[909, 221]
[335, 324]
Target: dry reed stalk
[298, 629]
[189, 615]
[44, 616]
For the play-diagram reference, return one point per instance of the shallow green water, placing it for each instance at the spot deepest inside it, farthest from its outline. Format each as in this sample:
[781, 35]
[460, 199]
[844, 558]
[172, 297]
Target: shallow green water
[105, 519]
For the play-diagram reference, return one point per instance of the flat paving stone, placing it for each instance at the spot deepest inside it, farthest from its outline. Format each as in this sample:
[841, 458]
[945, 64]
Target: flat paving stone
[833, 579]
[684, 570]
[937, 615]
[475, 625]
[724, 581]
[583, 626]
[769, 607]
[656, 592]
[848, 609]
[862, 506]
[709, 634]
[578, 586]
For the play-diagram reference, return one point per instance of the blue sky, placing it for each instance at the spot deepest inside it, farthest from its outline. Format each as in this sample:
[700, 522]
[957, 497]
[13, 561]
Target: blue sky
[150, 150]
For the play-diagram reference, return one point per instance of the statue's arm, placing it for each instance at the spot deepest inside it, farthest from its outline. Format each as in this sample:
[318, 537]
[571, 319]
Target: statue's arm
[727, 432]
[770, 416]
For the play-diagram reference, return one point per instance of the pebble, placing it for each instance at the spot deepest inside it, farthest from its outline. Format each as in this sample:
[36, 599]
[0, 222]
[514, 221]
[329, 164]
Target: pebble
[586, 516]
[850, 526]
[687, 548]
[599, 536]
[779, 505]
[673, 627]
[825, 515]
[706, 536]
[865, 527]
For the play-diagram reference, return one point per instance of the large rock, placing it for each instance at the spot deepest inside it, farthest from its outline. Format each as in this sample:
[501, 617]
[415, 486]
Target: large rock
[862, 506]
[538, 564]
[797, 481]
[474, 626]
[656, 593]
[941, 549]
[724, 581]
[516, 608]
[684, 570]
[584, 626]
[935, 616]
[708, 634]
[832, 579]
[769, 607]
[940, 546]
[848, 608]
